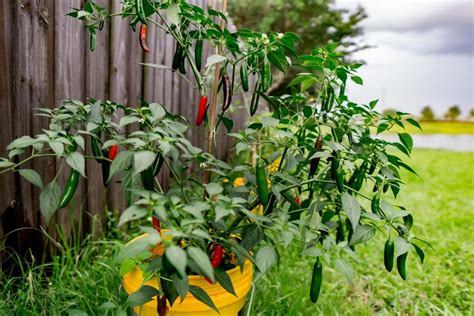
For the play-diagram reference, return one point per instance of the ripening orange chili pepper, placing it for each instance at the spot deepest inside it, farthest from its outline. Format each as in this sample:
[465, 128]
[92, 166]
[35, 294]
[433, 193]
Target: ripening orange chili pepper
[142, 36]
[202, 110]
[113, 152]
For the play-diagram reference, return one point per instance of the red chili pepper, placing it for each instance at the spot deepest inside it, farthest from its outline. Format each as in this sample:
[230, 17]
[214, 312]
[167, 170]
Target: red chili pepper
[202, 110]
[217, 256]
[156, 224]
[142, 37]
[297, 200]
[113, 152]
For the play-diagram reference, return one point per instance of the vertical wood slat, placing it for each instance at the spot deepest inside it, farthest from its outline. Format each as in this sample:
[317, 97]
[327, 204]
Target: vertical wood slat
[125, 80]
[48, 60]
[8, 204]
[97, 87]
[70, 83]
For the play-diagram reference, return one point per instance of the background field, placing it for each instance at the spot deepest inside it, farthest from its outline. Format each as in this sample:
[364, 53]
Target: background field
[442, 127]
[84, 277]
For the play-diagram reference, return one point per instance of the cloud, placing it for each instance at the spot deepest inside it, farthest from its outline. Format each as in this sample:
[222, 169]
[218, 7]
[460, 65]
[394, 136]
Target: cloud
[426, 27]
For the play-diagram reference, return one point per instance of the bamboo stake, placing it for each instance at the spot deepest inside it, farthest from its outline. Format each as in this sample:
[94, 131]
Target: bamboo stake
[212, 122]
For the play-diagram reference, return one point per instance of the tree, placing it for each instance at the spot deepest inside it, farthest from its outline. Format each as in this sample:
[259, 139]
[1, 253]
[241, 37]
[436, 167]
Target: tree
[427, 113]
[453, 113]
[317, 22]
[471, 114]
[389, 112]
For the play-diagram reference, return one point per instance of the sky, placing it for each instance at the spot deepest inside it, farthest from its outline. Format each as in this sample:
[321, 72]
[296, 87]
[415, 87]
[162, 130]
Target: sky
[423, 54]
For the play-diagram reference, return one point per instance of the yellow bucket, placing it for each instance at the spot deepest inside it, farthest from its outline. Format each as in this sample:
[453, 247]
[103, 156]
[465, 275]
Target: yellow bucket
[227, 303]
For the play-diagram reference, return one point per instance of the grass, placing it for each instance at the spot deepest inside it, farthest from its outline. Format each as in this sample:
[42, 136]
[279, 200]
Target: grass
[83, 278]
[442, 203]
[440, 127]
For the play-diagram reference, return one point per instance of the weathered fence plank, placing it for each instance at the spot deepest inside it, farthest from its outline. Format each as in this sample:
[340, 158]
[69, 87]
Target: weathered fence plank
[45, 58]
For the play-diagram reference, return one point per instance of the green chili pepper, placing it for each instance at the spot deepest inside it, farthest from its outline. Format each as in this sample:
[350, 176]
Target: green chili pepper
[177, 57]
[70, 188]
[340, 233]
[148, 180]
[149, 174]
[331, 96]
[262, 184]
[401, 265]
[140, 11]
[134, 23]
[182, 62]
[316, 281]
[334, 166]
[254, 102]
[375, 205]
[198, 54]
[157, 166]
[388, 254]
[266, 76]
[96, 149]
[105, 172]
[340, 181]
[373, 165]
[244, 76]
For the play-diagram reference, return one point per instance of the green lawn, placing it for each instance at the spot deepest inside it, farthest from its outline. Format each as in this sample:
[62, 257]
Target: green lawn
[441, 127]
[442, 200]
[84, 277]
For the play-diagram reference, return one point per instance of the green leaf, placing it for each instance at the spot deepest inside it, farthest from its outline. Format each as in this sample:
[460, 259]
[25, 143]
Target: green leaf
[57, 147]
[142, 160]
[419, 252]
[132, 213]
[177, 257]
[252, 235]
[139, 246]
[202, 296]
[157, 111]
[127, 120]
[77, 162]
[345, 268]
[214, 59]
[49, 200]
[362, 234]
[357, 80]
[228, 123]
[120, 163]
[406, 140]
[143, 295]
[213, 189]
[269, 121]
[414, 123]
[352, 208]
[127, 266]
[239, 147]
[373, 103]
[266, 257]
[401, 246]
[224, 280]
[31, 176]
[202, 260]
[180, 284]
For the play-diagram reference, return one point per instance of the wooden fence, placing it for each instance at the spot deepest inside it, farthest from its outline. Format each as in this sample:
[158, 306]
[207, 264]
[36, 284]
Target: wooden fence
[45, 58]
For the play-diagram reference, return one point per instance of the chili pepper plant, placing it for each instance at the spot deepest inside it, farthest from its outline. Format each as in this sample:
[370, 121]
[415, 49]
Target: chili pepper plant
[314, 173]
